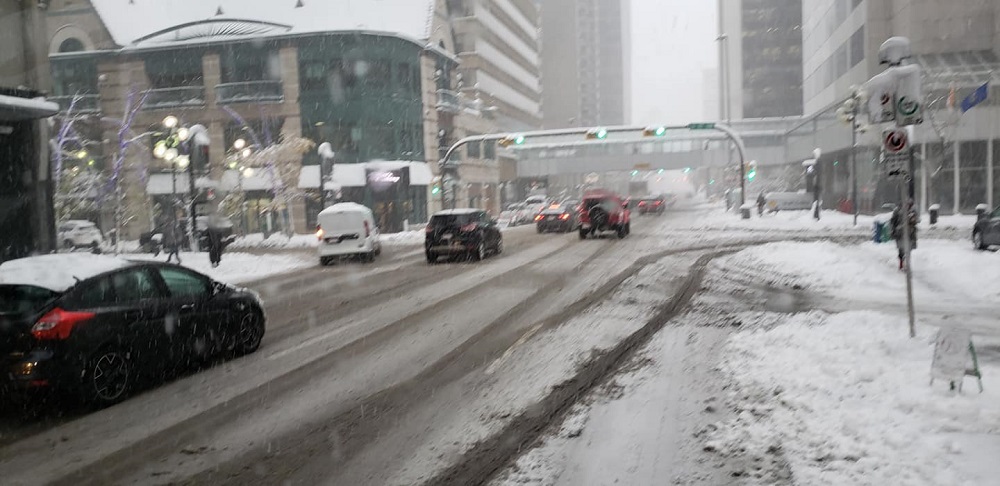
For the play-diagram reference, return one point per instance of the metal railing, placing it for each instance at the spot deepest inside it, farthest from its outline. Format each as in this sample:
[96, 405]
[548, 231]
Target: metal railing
[269, 91]
[158, 98]
[85, 103]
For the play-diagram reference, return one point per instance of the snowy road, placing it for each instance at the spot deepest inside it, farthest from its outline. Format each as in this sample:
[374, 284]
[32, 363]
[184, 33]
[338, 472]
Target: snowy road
[398, 372]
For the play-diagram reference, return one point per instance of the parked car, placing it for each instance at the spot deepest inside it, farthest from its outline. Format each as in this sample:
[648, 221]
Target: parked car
[557, 217]
[986, 231]
[78, 233]
[456, 232]
[93, 325]
[603, 211]
[651, 205]
[347, 230]
[532, 206]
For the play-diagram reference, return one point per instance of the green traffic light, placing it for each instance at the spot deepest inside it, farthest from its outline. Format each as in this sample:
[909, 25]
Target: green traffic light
[751, 175]
[519, 140]
[435, 190]
[711, 181]
[635, 173]
[687, 169]
[602, 134]
[659, 171]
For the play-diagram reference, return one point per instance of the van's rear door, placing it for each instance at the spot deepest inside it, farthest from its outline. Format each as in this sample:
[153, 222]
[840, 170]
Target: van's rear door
[342, 226]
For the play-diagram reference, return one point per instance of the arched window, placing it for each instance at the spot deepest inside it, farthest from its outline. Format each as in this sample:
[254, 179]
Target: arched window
[71, 45]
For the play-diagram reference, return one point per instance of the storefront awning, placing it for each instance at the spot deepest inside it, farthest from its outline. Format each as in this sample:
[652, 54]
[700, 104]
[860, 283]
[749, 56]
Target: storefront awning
[13, 108]
[353, 175]
[161, 184]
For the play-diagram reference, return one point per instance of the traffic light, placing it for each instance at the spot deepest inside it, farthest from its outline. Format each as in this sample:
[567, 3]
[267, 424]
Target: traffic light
[511, 140]
[597, 133]
[687, 169]
[635, 173]
[751, 170]
[436, 188]
[658, 131]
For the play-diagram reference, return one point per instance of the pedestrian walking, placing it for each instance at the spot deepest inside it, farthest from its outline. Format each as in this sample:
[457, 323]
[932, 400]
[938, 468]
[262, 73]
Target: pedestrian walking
[897, 230]
[172, 242]
[216, 239]
[760, 204]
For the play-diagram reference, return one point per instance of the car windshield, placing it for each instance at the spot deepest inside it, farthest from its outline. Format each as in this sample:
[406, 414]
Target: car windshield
[23, 299]
[500, 242]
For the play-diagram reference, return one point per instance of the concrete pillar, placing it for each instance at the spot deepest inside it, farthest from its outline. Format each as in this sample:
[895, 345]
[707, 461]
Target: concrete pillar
[989, 172]
[211, 72]
[289, 60]
[957, 179]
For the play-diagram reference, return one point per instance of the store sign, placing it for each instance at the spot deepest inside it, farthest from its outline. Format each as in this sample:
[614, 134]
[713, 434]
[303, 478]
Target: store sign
[381, 180]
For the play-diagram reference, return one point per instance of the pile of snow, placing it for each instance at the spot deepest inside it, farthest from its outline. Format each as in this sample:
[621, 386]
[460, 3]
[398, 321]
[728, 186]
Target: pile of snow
[239, 267]
[719, 219]
[845, 399]
[277, 241]
[412, 237]
[942, 269]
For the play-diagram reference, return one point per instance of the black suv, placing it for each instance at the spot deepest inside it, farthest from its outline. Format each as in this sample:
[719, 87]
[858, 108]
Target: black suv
[92, 324]
[455, 232]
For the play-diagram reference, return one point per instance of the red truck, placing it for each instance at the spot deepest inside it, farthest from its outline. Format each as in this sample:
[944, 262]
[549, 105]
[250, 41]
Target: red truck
[602, 211]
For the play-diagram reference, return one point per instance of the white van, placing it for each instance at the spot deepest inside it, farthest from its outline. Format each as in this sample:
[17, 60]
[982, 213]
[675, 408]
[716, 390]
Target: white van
[347, 230]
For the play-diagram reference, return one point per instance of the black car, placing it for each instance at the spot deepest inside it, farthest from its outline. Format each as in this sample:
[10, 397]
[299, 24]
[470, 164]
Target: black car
[91, 325]
[986, 231]
[558, 217]
[457, 232]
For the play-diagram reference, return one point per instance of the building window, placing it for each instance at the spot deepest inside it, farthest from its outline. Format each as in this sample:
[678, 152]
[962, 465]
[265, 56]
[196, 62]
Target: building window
[489, 150]
[473, 151]
[71, 45]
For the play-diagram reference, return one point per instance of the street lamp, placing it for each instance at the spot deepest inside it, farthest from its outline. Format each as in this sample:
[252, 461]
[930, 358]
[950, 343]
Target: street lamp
[327, 154]
[176, 148]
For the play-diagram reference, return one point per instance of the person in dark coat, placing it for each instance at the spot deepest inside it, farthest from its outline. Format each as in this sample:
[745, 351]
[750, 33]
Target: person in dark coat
[216, 240]
[172, 242]
[760, 204]
[897, 230]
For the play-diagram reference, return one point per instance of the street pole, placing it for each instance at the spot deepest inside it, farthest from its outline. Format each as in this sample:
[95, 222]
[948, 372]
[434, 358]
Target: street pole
[854, 170]
[905, 214]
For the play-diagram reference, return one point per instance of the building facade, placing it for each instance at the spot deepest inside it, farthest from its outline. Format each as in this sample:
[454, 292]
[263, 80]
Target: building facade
[270, 74]
[760, 52]
[586, 62]
[27, 220]
[957, 45]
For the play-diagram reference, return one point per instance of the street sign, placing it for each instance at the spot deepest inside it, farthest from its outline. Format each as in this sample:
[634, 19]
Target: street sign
[895, 140]
[976, 97]
[881, 90]
[909, 98]
[895, 154]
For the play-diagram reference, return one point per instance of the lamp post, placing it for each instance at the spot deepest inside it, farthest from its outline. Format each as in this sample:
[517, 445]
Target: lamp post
[327, 154]
[241, 152]
[176, 149]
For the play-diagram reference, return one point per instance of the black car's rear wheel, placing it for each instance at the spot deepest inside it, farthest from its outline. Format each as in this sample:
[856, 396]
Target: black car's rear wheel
[431, 257]
[108, 376]
[583, 233]
[977, 240]
[251, 333]
[479, 254]
[499, 246]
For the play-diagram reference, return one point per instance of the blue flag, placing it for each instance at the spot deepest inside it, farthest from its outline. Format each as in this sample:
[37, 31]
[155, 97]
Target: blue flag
[976, 97]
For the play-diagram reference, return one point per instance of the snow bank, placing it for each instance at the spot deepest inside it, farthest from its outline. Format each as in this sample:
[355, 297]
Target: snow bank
[275, 241]
[239, 267]
[412, 237]
[719, 219]
[845, 399]
[943, 270]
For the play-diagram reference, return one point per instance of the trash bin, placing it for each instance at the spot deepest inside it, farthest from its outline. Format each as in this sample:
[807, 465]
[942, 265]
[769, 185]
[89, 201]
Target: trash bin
[981, 211]
[882, 228]
[745, 211]
[934, 210]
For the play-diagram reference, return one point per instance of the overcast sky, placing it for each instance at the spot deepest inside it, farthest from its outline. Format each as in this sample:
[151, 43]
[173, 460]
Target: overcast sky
[672, 42]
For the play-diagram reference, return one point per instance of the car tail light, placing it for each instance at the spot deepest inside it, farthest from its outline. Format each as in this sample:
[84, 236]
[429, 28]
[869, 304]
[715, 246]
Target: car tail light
[539, 217]
[564, 216]
[659, 203]
[368, 230]
[468, 228]
[58, 324]
[319, 232]
[642, 203]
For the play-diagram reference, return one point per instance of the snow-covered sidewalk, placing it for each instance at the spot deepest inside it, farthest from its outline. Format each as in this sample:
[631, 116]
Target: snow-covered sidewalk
[237, 267]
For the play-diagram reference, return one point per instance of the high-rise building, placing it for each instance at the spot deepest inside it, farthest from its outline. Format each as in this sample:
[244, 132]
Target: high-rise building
[711, 108]
[760, 48]
[586, 52]
[498, 44]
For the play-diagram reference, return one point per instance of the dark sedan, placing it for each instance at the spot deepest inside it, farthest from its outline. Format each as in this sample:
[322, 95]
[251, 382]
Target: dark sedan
[560, 218]
[986, 232]
[462, 232]
[91, 325]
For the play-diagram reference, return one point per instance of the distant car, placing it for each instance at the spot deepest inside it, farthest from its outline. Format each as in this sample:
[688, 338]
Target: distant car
[519, 214]
[532, 206]
[603, 211]
[93, 324]
[986, 231]
[462, 232]
[347, 230]
[78, 233]
[557, 217]
[651, 205]
[506, 218]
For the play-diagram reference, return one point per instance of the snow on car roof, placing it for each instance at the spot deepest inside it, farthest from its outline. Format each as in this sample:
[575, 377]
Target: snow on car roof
[345, 207]
[57, 272]
[450, 212]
